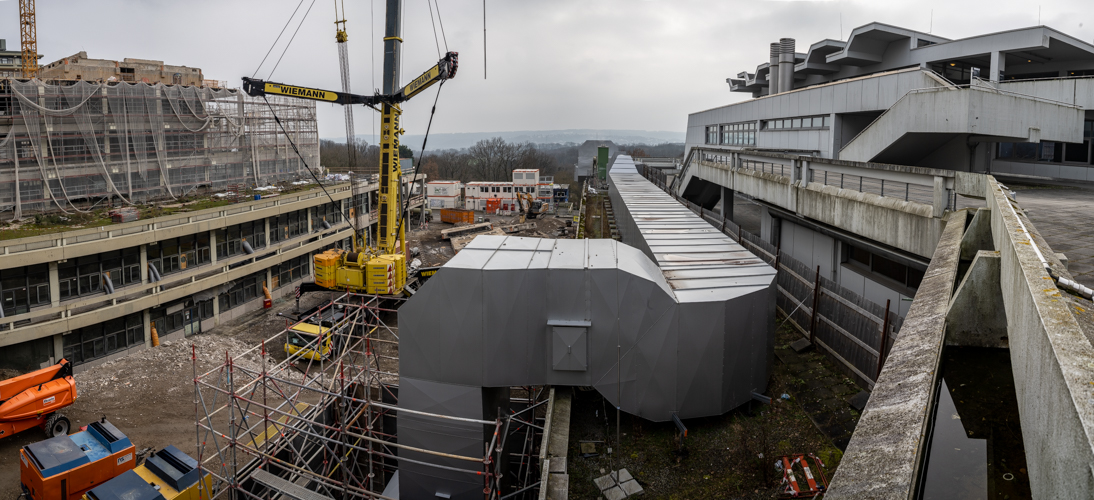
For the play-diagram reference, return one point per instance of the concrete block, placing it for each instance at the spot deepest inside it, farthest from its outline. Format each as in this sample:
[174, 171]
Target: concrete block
[605, 482]
[557, 465]
[632, 488]
[973, 318]
[614, 493]
[1062, 258]
[858, 401]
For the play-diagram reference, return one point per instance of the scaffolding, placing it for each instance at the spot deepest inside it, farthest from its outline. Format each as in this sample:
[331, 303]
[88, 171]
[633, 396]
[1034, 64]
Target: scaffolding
[70, 144]
[326, 427]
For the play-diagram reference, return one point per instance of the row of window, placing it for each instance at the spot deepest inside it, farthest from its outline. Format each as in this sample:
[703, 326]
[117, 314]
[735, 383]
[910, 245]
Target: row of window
[290, 270]
[84, 276]
[504, 189]
[797, 123]
[1047, 151]
[900, 273]
[95, 341]
[177, 254]
[243, 291]
[23, 288]
[230, 239]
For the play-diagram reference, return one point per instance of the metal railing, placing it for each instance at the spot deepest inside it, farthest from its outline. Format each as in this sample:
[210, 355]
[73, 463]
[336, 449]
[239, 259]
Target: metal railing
[854, 330]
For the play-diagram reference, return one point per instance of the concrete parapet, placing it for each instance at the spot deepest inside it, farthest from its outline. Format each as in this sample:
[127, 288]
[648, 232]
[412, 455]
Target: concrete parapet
[1052, 359]
[885, 453]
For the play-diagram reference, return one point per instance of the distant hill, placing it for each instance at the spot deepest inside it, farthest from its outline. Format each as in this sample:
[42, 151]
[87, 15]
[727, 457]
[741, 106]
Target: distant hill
[574, 136]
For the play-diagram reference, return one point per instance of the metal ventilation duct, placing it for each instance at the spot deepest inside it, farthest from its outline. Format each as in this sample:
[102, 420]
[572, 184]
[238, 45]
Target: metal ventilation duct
[693, 336]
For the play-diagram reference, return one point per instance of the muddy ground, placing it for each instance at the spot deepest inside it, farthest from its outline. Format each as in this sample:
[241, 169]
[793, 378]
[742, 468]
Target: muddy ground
[149, 394]
[433, 251]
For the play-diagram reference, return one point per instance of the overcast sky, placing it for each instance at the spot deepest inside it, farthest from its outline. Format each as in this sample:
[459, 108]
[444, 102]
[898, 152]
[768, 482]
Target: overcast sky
[603, 64]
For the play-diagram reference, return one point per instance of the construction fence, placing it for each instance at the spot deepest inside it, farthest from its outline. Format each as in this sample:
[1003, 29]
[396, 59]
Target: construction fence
[855, 331]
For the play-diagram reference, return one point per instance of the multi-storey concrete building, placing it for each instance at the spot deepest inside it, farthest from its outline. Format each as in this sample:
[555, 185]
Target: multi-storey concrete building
[1018, 102]
[11, 61]
[503, 195]
[93, 293]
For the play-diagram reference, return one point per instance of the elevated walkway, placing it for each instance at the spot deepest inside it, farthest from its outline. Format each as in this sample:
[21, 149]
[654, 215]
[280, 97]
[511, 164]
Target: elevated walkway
[924, 120]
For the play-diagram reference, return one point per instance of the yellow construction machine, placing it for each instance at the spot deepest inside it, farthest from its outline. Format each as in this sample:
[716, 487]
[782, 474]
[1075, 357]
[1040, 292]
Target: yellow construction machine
[381, 269]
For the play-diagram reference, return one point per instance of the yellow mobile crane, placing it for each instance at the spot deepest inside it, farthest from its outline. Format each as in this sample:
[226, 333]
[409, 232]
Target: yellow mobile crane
[381, 269]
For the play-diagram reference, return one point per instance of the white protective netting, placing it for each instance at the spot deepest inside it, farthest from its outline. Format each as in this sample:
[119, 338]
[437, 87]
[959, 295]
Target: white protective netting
[72, 145]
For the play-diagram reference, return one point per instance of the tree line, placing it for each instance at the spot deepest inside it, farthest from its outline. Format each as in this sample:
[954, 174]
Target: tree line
[491, 160]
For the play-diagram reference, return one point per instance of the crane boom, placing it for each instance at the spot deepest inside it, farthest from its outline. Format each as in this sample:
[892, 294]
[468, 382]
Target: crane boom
[28, 38]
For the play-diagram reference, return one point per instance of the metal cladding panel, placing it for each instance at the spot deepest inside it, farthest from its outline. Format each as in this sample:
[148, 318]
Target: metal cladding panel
[568, 254]
[447, 436]
[752, 315]
[441, 334]
[512, 320]
[603, 333]
[700, 352]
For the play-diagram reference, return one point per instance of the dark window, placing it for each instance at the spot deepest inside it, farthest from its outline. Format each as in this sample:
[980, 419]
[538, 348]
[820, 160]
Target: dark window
[1077, 152]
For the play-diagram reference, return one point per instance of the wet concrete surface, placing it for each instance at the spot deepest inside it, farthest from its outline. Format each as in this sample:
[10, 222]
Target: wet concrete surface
[1062, 216]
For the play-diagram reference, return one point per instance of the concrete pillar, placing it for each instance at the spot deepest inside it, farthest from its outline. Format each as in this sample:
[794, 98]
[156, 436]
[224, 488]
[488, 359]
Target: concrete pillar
[998, 66]
[216, 310]
[939, 196]
[58, 348]
[267, 222]
[308, 212]
[144, 263]
[213, 246]
[786, 64]
[727, 202]
[835, 137]
[773, 70]
[54, 285]
[146, 318]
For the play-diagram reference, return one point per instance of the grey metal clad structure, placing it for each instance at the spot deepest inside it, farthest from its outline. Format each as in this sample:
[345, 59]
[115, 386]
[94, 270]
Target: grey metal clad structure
[693, 337]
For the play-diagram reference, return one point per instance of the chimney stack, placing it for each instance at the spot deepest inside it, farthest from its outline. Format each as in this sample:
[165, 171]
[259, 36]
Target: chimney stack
[786, 64]
[773, 70]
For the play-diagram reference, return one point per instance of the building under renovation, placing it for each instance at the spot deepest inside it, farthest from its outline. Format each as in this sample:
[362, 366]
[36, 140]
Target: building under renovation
[64, 144]
[80, 67]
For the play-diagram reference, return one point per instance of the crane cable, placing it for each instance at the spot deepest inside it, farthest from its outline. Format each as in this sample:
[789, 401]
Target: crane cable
[305, 162]
[291, 39]
[277, 39]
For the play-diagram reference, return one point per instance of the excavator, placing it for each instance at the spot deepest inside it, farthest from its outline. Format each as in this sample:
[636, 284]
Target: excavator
[530, 208]
[381, 269]
[33, 399]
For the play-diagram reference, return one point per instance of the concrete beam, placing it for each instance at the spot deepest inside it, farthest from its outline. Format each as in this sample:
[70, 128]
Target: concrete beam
[884, 456]
[977, 235]
[973, 319]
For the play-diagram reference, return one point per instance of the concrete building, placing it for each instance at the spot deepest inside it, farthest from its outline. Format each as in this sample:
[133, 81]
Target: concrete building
[11, 61]
[1018, 102]
[80, 67]
[586, 157]
[886, 94]
[92, 294]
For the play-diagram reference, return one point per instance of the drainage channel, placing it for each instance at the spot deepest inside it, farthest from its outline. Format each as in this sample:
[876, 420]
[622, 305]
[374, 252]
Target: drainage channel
[976, 448]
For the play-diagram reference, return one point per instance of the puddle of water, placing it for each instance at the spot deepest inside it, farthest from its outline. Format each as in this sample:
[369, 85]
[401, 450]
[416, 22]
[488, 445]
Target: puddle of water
[976, 449]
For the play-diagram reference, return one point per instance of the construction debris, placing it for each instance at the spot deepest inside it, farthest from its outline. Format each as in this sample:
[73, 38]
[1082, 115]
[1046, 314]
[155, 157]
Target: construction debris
[459, 242]
[465, 230]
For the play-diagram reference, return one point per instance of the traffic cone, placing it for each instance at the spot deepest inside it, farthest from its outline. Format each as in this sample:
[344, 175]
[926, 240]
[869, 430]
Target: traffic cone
[155, 336]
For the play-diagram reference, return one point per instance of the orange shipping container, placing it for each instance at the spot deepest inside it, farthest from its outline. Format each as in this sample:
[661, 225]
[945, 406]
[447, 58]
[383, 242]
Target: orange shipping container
[453, 216]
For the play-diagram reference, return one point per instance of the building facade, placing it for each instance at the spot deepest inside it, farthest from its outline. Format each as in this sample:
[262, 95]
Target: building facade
[93, 294]
[445, 194]
[11, 61]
